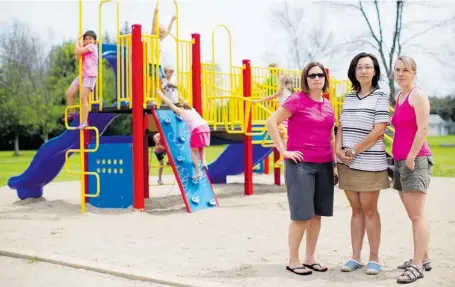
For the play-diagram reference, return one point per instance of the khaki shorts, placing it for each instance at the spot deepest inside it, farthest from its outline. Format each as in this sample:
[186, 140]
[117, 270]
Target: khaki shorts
[412, 180]
[362, 181]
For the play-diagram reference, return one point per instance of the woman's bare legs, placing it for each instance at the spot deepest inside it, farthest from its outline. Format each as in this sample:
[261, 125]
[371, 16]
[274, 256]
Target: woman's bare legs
[357, 224]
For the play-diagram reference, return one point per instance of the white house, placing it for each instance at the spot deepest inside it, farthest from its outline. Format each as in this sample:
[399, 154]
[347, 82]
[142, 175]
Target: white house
[437, 126]
[451, 126]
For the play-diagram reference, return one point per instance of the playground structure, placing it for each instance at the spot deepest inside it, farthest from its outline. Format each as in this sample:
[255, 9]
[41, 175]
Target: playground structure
[115, 170]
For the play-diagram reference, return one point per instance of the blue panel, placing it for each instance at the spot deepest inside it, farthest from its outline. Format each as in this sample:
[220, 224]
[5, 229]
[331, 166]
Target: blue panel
[230, 161]
[259, 136]
[199, 195]
[114, 165]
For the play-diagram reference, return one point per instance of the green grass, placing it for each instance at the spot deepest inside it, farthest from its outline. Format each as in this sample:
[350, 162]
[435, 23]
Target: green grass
[14, 165]
[444, 157]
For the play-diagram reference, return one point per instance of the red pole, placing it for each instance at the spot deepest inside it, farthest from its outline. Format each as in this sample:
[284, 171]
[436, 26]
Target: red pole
[138, 117]
[266, 165]
[327, 95]
[196, 71]
[276, 170]
[146, 158]
[247, 140]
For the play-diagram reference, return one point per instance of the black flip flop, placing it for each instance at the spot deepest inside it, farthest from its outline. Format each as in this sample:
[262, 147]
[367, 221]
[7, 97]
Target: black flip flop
[299, 268]
[311, 266]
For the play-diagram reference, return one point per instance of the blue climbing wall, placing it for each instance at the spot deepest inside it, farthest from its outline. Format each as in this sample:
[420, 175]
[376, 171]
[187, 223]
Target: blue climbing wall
[197, 195]
[114, 165]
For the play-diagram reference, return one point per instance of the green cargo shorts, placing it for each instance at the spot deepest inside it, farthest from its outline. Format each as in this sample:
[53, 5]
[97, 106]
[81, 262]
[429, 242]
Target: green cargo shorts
[417, 179]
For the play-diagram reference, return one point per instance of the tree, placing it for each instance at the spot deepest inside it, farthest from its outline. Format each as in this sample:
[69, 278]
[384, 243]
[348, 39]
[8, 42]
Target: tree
[16, 44]
[390, 43]
[47, 95]
[443, 106]
[307, 40]
[126, 28]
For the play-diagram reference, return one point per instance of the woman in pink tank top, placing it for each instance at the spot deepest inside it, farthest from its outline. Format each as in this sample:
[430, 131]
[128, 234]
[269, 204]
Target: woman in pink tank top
[413, 163]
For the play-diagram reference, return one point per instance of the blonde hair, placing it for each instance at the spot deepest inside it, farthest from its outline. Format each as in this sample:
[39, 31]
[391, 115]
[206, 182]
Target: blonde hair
[409, 63]
[287, 82]
[168, 67]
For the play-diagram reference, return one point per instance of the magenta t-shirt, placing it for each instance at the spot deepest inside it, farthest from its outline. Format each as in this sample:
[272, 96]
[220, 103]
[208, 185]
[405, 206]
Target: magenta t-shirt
[310, 127]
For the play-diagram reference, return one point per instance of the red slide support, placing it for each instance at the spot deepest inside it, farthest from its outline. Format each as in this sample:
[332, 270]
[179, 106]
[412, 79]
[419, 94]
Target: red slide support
[196, 70]
[248, 140]
[138, 117]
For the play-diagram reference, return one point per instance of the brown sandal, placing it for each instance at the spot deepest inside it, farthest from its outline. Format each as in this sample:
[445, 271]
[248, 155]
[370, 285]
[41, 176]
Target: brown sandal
[406, 264]
[412, 274]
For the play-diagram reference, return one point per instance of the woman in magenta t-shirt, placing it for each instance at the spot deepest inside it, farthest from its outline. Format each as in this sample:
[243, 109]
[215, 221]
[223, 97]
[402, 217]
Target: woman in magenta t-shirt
[309, 169]
[413, 162]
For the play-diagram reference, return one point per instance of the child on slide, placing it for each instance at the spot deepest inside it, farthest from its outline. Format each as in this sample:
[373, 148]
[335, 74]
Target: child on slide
[89, 52]
[199, 129]
[285, 89]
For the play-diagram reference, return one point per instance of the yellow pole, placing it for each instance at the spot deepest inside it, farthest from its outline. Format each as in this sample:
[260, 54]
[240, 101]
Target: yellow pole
[81, 132]
[119, 88]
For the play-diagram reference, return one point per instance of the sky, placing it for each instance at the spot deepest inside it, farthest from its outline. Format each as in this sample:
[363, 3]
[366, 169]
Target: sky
[255, 36]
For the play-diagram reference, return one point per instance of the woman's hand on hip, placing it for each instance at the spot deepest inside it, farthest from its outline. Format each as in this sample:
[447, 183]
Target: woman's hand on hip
[296, 156]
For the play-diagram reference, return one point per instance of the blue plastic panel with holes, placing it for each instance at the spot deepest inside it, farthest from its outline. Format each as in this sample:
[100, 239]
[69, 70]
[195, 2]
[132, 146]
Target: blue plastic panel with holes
[198, 195]
[114, 165]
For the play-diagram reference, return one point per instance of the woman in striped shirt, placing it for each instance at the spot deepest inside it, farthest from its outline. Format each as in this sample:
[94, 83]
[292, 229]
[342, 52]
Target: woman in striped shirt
[362, 163]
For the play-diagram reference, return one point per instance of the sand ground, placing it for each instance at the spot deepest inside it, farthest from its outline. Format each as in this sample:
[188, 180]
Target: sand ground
[242, 243]
[40, 274]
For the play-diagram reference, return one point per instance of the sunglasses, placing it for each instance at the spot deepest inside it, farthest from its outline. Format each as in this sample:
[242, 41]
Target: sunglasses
[319, 75]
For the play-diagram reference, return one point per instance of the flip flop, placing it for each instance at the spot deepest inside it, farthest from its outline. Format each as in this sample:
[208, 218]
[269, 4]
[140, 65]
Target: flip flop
[308, 272]
[311, 266]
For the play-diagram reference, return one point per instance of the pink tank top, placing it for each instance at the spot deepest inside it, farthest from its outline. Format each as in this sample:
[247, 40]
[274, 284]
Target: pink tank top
[405, 123]
[193, 119]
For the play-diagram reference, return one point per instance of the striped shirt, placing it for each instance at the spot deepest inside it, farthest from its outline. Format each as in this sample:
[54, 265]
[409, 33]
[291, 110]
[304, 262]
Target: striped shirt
[358, 117]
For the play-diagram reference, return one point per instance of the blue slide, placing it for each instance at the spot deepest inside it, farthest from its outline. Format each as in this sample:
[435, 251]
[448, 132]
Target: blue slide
[230, 162]
[197, 195]
[50, 158]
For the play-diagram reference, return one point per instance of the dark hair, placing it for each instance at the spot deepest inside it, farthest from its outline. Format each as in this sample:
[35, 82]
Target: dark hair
[186, 106]
[90, 33]
[352, 69]
[304, 79]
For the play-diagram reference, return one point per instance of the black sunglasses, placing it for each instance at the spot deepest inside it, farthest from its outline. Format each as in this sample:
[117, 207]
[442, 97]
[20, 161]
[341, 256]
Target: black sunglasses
[319, 75]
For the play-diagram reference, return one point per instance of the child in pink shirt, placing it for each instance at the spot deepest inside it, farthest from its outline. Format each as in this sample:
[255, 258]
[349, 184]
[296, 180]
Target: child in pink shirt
[89, 53]
[199, 129]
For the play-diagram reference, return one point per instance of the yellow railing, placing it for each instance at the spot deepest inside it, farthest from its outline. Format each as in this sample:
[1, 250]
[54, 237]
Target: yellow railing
[222, 98]
[338, 91]
[124, 70]
[97, 98]
[153, 68]
[184, 70]
[264, 84]
[151, 65]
